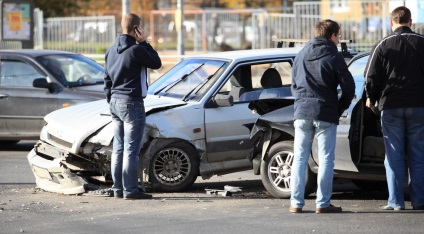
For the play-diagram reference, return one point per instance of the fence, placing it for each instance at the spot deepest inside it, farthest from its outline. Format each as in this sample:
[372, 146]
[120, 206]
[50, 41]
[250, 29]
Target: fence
[77, 34]
[362, 21]
[204, 30]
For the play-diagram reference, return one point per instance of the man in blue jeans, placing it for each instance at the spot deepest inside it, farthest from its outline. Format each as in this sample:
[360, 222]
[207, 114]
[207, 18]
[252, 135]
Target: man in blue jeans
[126, 64]
[318, 70]
[395, 78]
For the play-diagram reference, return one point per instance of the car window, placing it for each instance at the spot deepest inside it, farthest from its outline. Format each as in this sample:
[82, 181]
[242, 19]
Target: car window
[73, 70]
[357, 69]
[17, 73]
[283, 68]
[246, 82]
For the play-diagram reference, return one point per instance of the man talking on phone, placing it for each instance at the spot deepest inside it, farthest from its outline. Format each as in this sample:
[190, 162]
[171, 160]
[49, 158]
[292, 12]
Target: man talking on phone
[126, 64]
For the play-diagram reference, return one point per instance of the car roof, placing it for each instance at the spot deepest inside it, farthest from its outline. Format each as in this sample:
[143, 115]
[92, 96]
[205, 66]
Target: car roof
[243, 55]
[33, 53]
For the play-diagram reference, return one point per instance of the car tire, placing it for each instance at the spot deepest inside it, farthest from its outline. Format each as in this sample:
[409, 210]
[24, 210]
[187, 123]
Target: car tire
[370, 185]
[276, 171]
[174, 167]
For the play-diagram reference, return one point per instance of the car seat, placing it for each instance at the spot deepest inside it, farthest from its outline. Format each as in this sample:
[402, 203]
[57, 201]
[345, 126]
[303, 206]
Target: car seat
[236, 88]
[271, 79]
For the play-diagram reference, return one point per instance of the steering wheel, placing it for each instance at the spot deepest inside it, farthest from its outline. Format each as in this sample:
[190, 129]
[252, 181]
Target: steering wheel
[83, 78]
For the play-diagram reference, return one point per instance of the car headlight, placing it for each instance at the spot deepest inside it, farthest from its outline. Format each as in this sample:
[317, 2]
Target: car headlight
[43, 133]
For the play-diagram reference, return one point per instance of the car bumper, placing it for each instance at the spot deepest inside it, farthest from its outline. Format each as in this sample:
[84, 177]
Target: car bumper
[53, 176]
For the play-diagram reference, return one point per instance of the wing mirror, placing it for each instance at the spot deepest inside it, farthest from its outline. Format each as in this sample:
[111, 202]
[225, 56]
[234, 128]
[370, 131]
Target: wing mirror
[42, 83]
[223, 100]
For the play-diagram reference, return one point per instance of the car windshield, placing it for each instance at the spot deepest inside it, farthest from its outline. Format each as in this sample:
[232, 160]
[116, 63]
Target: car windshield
[189, 79]
[73, 70]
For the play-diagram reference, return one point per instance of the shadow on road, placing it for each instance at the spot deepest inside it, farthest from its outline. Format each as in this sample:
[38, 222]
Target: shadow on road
[253, 189]
[20, 146]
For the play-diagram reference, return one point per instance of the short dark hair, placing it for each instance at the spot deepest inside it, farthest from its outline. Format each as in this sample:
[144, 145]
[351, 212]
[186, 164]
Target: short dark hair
[326, 28]
[129, 21]
[401, 15]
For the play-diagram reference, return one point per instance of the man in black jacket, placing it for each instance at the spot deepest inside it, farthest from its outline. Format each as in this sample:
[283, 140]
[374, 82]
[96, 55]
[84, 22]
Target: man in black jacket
[395, 78]
[318, 70]
[126, 64]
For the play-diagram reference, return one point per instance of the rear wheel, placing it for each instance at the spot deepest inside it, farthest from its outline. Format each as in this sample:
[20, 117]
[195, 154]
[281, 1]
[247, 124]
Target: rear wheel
[276, 171]
[174, 167]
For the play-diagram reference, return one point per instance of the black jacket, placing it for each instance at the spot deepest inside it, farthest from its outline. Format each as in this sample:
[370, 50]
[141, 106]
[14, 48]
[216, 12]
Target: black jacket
[317, 71]
[395, 70]
[125, 68]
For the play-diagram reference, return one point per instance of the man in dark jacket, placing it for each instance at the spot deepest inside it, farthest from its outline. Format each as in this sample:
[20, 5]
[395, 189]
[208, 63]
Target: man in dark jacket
[395, 78]
[126, 64]
[318, 70]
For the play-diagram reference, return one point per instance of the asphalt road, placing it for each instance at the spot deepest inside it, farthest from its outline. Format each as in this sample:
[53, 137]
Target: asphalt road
[26, 209]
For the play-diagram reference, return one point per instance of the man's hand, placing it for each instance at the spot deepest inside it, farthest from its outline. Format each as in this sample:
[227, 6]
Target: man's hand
[139, 36]
[368, 103]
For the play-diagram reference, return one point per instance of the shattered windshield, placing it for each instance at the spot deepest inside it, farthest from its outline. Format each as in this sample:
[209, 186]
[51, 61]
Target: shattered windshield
[73, 70]
[191, 77]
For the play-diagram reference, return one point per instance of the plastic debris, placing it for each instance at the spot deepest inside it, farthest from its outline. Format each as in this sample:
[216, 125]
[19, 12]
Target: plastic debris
[228, 191]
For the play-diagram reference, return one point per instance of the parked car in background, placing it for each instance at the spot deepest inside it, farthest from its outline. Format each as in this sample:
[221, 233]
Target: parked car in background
[359, 146]
[34, 83]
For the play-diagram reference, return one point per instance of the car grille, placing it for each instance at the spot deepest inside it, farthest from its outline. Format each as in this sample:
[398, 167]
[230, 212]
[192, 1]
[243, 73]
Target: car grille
[60, 141]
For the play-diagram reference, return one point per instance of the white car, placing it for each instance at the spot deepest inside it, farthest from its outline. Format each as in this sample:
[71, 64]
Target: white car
[196, 124]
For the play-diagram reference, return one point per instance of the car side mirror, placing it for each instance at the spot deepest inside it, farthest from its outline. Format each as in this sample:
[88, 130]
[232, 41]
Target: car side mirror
[223, 100]
[42, 83]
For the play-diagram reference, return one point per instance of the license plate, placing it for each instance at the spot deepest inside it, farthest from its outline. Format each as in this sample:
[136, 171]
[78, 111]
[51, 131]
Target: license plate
[41, 172]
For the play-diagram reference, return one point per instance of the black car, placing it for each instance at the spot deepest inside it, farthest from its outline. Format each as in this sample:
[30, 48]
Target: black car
[359, 150]
[34, 83]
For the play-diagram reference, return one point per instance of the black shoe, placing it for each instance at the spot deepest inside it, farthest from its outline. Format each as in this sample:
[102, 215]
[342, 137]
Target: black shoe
[330, 209]
[138, 196]
[418, 207]
[391, 208]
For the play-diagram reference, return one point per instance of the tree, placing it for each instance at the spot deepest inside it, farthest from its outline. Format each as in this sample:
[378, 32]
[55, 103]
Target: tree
[57, 8]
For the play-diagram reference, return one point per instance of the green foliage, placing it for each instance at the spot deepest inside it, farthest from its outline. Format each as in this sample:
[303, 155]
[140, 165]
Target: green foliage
[58, 8]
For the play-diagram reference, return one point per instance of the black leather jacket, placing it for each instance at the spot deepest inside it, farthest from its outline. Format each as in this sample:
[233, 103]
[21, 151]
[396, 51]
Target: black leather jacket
[395, 70]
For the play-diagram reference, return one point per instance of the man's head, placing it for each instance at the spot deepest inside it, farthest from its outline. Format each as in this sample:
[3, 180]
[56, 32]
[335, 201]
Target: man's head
[130, 23]
[401, 16]
[328, 29]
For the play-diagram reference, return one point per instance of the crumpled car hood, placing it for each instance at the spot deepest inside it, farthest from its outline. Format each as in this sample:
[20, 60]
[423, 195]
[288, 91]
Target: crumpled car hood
[70, 126]
[280, 116]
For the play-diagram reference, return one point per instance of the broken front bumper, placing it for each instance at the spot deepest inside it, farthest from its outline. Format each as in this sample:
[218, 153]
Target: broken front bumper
[53, 176]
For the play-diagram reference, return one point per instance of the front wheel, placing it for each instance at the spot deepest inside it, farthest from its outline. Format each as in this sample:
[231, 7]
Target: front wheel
[174, 167]
[276, 171]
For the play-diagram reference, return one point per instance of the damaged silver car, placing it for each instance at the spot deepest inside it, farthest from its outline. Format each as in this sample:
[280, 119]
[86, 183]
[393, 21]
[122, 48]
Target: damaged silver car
[196, 114]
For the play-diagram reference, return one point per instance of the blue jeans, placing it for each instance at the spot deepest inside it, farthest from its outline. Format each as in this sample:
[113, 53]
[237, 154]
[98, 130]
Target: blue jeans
[403, 132]
[128, 119]
[325, 133]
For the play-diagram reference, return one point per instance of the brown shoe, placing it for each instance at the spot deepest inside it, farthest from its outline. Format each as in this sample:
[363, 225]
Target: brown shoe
[295, 210]
[330, 209]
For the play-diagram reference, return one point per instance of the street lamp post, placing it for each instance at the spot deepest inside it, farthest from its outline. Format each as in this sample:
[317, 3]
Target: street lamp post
[179, 22]
[125, 7]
